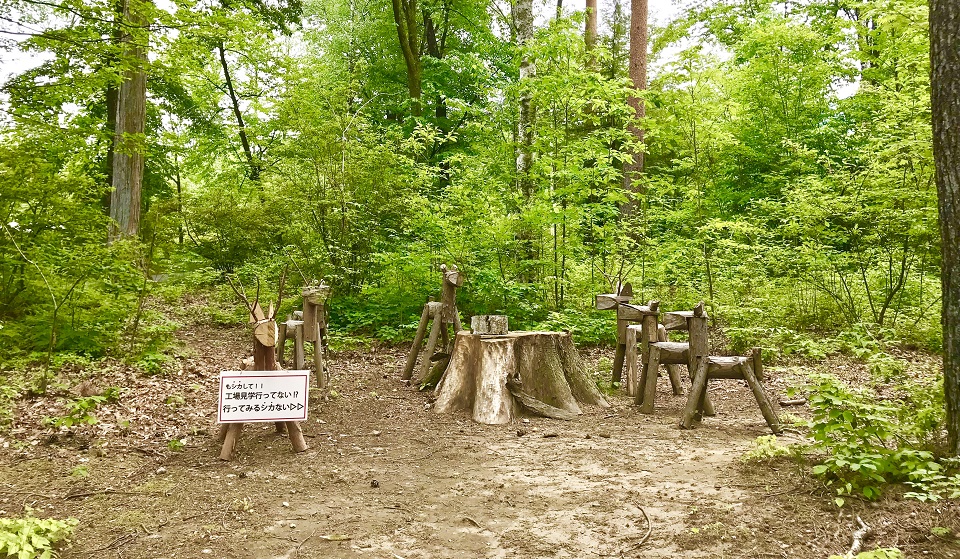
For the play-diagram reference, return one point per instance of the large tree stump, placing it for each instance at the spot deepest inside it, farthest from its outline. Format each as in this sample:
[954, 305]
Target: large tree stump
[497, 377]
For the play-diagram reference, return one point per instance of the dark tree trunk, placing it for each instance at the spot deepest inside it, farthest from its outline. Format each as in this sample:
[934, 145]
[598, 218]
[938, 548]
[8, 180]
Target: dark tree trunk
[638, 75]
[405, 17]
[252, 163]
[945, 104]
[130, 126]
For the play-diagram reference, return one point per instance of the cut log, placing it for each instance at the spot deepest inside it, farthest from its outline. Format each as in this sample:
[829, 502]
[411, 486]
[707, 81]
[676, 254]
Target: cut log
[607, 301]
[535, 406]
[489, 324]
[546, 364]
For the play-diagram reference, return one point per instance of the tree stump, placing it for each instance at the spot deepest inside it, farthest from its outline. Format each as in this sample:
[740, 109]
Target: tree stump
[489, 324]
[497, 377]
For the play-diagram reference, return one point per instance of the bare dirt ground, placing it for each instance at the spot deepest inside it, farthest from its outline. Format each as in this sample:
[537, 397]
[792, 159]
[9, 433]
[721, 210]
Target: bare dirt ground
[385, 477]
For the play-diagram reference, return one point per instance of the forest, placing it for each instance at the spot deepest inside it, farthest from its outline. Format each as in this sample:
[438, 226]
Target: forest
[772, 159]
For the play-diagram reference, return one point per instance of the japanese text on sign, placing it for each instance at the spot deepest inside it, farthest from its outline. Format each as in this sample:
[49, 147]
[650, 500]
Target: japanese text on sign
[253, 396]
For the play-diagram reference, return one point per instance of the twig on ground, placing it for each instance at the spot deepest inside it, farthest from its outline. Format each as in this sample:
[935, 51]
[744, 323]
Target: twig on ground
[858, 536]
[643, 540]
[299, 545]
[120, 541]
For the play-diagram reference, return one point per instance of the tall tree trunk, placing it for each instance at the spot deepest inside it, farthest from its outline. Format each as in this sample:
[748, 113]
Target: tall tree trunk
[638, 75]
[131, 123]
[252, 164]
[590, 31]
[405, 16]
[945, 104]
[524, 21]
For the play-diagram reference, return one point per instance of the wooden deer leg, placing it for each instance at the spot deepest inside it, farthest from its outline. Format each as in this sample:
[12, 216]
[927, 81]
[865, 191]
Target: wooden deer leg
[456, 323]
[672, 369]
[650, 386]
[318, 361]
[431, 346]
[444, 338]
[697, 391]
[417, 340]
[765, 407]
[631, 358]
[618, 357]
[222, 433]
[296, 436]
[230, 440]
[299, 359]
[281, 341]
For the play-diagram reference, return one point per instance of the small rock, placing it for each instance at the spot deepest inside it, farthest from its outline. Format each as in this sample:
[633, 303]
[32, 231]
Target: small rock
[161, 470]
[526, 421]
[604, 435]
[292, 525]
[206, 551]
[374, 483]
[521, 432]
[286, 504]
[550, 435]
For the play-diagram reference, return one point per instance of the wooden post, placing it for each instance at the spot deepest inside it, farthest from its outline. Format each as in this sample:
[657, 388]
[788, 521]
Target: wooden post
[631, 357]
[699, 350]
[299, 360]
[648, 334]
[431, 345]
[697, 390]
[417, 340]
[766, 408]
[319, 361]
[650, 388]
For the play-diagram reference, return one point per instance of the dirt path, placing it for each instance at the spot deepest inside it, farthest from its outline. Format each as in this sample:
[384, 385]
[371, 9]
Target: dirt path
[385, 477]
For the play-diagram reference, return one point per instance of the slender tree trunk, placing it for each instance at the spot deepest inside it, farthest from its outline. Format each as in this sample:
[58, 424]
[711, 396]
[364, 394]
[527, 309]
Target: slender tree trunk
[945, 104]
[590, 32]
[524, 21]
[638, 75]
[405, 14]
[130, 126]
[252, 163]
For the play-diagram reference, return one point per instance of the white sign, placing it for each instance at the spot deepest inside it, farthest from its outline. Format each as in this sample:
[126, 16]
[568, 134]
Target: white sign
[255, 396]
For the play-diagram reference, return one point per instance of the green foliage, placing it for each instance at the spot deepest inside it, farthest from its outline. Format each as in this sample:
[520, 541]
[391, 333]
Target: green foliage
[81, 410]
[879, 553]
[861, 446]
[767, 448]
[29, 537]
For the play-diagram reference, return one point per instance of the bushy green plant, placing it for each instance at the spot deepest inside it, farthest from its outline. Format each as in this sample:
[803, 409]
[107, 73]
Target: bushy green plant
[80, 410]
[29, 537]
[861, 445]
[879, 553]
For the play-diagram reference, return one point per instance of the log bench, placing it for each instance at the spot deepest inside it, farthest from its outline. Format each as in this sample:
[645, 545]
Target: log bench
[748, 368]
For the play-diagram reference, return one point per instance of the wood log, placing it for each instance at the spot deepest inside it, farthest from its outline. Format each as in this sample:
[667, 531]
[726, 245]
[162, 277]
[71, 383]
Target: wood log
[296, 436]
[230, 440]
[547, 365]
[635, 312]
[452, 279]
[672, 368]
[309, 321]
[489, 324]
[319, 360]
[650, 387]
[755, 354]
[431, 347]
[631, 356]
[299, 359]
[266, 332]
[676, 353]
[281, 341]
[417, 340]
[697, 390]
[766, 408]
[699, 351]
[535, 406]
[618, 357]
[607, 301]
